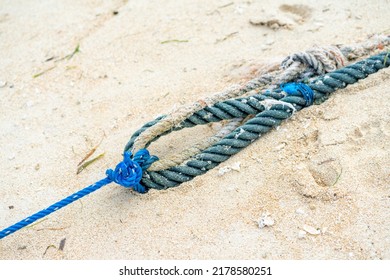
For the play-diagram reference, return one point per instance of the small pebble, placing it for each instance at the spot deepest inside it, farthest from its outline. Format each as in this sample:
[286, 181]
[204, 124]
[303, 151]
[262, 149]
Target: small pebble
[311, 230]
[300, 166]
[3, 84]
[236, 166]
[231, 188]
[279, 147]
[258, 160]
[37, 167]
[11, 157]
[239, 9]
[264, 47]
[301, 234]
[223, 170]
[269, 42]
[266, 221]
[62, 244]
[300, 211]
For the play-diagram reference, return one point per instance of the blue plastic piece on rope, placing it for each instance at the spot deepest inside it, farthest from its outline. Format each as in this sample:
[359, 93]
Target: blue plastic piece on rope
[127, 173]
[305, 90]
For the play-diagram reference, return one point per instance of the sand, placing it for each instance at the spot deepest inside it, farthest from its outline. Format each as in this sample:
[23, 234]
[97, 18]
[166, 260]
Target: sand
[319, 183]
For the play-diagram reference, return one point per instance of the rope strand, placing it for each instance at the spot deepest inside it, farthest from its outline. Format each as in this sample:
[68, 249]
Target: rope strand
[54, 207]
[128, 173]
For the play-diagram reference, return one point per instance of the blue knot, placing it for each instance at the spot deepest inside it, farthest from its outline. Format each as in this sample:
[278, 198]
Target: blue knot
[305, 90]
[128, 173]
[144, 159]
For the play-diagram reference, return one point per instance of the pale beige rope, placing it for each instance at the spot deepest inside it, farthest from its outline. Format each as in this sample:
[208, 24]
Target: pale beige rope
[374, 43]
[180, 114]
[179, 158]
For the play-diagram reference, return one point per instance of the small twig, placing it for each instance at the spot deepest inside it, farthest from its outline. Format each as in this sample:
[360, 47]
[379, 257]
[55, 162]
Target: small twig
[61, 228]
[226, 37]
[90, 153]
[48, 247]
[87, 163]
[76, 50]
[69, 56]
[44, 71]
[34, 224]
[338, 177]
[226, 5]
[174, 41]
[50, 58]
[70, 67]
[326, 161]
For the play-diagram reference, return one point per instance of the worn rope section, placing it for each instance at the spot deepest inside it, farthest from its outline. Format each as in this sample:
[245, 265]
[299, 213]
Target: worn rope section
[270, 109]
[180, 157]
[301, 66]
[127, 173]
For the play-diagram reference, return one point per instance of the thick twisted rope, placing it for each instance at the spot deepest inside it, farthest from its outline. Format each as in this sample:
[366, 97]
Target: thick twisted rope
[301, 66]
[270, 109]
[152, 130]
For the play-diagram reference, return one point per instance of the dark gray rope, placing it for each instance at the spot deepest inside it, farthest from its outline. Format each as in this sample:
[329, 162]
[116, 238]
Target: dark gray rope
[263, 121]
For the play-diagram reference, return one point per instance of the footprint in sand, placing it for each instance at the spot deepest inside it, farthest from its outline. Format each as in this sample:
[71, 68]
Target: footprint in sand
[300, 13]
[290, 16]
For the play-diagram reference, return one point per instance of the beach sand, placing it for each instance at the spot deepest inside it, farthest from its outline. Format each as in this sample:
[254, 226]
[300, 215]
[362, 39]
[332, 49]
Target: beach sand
[321, 179]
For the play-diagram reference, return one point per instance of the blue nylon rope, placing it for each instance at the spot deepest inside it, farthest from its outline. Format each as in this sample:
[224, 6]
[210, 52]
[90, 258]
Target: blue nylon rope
[127, 173]
[305, 90]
